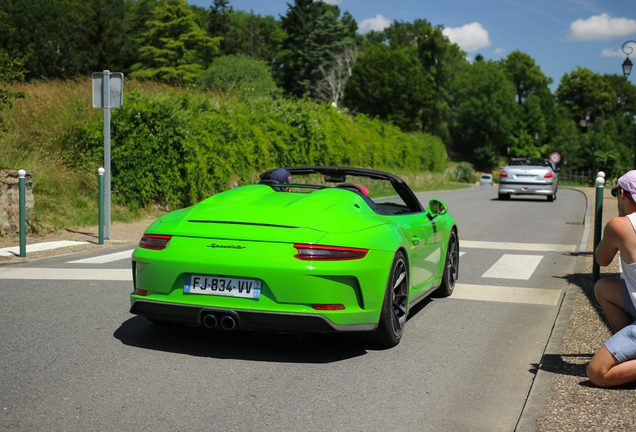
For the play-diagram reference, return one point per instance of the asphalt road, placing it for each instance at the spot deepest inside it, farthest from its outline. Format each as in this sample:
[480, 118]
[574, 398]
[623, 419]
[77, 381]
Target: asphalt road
[74, 359]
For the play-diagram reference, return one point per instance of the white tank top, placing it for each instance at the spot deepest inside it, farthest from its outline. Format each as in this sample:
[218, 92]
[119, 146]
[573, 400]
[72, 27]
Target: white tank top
[629, 270]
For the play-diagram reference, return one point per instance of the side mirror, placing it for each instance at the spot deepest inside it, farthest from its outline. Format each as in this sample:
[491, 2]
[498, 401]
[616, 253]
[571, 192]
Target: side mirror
[436, 207]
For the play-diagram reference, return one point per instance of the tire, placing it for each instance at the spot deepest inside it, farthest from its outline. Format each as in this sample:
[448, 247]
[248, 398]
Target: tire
[503, 197]
[451, 267]
[395, 305]
[551, 197]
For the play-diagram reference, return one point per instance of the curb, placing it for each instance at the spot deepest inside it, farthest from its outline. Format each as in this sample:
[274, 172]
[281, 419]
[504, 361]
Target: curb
[540, 388]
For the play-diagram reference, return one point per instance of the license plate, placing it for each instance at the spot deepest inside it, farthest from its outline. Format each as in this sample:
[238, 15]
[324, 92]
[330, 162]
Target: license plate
[222, 286]
[525, 176]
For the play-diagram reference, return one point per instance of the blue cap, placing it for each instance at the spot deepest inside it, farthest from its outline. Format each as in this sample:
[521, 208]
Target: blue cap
[281, 176]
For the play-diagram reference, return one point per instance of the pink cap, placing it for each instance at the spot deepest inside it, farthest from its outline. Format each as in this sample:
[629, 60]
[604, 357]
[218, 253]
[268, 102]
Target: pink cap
[628, 182]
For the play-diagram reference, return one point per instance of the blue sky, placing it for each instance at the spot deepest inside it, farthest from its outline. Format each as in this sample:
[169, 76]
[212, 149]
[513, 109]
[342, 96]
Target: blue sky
[559, 34]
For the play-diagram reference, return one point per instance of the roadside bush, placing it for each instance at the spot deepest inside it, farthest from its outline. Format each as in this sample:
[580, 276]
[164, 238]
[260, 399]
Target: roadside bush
[463, 172]
[178, 147]
[243, 75]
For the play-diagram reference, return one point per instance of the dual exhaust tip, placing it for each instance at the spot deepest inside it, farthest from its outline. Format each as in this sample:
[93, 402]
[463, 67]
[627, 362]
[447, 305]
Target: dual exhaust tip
[226, 321]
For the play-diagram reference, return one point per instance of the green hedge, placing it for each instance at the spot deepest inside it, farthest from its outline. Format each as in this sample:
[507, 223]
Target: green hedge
[179, 147]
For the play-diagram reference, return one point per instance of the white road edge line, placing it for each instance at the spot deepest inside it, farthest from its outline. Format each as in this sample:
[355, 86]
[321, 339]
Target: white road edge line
[538, 296]
[103, 259]
[37, 247]
[25, 273]
[530, 247]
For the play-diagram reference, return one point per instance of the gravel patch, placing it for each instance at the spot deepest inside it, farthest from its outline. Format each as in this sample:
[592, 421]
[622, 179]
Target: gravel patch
[574, 404]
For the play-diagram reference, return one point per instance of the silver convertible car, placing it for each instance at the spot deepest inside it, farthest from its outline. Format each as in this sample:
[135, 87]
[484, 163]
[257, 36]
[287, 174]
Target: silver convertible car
[528, 176]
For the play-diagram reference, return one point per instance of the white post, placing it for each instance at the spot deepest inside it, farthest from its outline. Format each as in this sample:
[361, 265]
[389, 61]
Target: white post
[106, 81]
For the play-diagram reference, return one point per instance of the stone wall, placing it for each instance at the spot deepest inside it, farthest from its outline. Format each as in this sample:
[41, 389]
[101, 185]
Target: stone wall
[10, 200]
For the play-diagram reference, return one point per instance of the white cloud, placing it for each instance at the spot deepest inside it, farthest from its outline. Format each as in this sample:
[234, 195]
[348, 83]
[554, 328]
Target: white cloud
[470, 37]
[499, 51]
[629, 48]
[600, 27]
[378, 23]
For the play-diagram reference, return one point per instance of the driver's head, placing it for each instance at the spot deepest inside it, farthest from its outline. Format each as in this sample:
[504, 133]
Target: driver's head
[282, 176]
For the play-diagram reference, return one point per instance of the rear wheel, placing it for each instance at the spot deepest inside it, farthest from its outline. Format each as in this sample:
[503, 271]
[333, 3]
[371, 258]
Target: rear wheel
[451, 267]
[551, 197]
[503, 197]
[395, 305]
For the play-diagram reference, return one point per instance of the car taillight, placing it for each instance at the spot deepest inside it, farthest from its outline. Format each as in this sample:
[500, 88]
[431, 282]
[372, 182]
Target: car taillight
[141, 292]
[328, 253]
[548, 175]
[328, 307]
[154, 241]
[503, 174]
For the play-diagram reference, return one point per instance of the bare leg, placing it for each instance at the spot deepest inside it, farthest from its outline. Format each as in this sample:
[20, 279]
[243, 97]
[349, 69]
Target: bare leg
[605, 371]
[609, 294]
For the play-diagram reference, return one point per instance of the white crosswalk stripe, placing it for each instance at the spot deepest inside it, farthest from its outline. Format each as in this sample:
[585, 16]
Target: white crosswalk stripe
[514, 267]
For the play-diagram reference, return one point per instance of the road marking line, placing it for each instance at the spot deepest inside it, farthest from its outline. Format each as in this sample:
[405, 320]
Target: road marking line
[37, 247]
[538, 296]
[103, 259]
[533, 247]
[461, 253]
[514, 267]
[65, 274]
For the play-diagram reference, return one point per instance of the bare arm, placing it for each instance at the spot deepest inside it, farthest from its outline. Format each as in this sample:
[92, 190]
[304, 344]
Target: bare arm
[611, 242]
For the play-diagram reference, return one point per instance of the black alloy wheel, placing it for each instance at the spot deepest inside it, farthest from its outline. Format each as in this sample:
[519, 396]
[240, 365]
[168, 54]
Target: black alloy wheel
[395, 305]
[451, 266]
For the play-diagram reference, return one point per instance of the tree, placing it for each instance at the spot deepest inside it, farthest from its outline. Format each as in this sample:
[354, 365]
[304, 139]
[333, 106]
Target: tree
[387, 84]
[315, 34]
[332, 85]
[484, 105]
[11, 70]
[440, 60]
[250, 34]
[583, 91]
[175, 47]
[138, 14]
[219, 22]
[241, 74]
[525, 75]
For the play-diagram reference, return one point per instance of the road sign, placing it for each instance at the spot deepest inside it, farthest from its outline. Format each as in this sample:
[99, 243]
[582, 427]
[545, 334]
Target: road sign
[555, 157]
[116, 81]
[108, 92]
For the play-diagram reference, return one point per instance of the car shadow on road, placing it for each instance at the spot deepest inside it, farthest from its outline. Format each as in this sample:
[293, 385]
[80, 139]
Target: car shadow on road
[256, 346]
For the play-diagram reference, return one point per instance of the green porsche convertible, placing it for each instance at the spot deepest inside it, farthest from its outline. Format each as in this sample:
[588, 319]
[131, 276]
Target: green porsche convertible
[310, 249]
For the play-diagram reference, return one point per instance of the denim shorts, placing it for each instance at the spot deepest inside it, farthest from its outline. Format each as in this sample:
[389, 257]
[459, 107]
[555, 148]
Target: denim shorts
[623, 344]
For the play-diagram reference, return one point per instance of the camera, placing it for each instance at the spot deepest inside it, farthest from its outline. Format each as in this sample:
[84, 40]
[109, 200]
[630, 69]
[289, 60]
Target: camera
[615, 190]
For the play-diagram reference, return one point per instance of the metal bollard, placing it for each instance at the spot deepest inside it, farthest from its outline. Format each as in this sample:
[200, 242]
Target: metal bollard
[22, 211]
[598, 222]
[101, 205]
